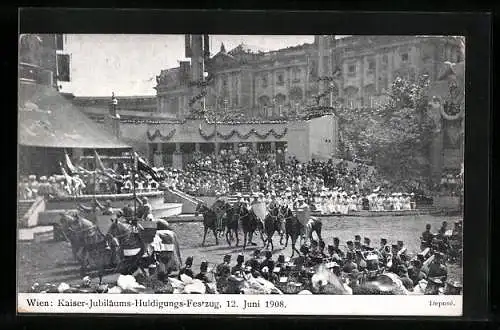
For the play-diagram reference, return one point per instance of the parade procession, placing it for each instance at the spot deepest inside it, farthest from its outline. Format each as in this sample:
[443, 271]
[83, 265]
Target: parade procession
[281, 198]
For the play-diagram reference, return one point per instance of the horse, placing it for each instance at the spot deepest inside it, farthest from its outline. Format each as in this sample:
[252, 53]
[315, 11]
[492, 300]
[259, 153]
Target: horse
[87, 238]
[249, 224]
[231, 221]
[272, 223]
[313, 225]
[293, 228]
[209, 221]
[133, 251]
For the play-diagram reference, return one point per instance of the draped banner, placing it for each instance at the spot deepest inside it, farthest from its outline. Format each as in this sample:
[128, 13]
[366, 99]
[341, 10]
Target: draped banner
[243, 136]
[157, 134]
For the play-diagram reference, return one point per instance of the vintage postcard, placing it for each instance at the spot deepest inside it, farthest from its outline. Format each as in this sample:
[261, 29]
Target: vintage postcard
[241, 174]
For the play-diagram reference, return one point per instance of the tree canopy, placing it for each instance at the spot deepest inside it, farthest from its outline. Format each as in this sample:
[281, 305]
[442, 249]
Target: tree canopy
[395, 136]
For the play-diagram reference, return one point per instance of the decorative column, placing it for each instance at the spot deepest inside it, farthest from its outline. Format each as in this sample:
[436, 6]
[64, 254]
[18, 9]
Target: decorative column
[177, 157]
[273, 147]
[254, 146]
[216, 148]
[197, 147]
[235, 146]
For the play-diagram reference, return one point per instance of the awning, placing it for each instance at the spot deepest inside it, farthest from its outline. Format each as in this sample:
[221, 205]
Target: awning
[47, 119]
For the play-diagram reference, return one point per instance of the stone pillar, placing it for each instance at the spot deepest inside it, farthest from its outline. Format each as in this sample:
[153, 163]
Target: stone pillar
[273, 147]
[197, 147]
[254, 146]
[235, 146]
[437, 156]
[177, 157]
[216, 148]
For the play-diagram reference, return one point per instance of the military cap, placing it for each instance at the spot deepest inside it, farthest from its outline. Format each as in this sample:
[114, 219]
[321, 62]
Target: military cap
[336, 239]
[400, 242]
[189, 260]
[383, 240]
[357, 237]
[204, 265]
[281, 258]
[349, 243]
[240, 258]
[367, 240]
[227, 257]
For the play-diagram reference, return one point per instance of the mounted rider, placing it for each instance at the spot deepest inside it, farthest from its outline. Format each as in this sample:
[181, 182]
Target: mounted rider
[218, 208]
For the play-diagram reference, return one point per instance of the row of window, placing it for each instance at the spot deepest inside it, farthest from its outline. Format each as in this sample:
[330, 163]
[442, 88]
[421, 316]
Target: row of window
[351, 68]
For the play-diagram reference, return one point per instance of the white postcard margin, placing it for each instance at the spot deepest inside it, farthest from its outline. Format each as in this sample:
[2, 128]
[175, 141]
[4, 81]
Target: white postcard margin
[371, 305]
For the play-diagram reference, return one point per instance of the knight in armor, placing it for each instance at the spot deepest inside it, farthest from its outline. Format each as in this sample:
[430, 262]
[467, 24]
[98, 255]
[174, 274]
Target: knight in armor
[218, 208]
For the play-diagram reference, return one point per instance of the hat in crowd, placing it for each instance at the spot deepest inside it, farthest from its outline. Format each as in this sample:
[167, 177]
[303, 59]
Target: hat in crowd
[336, 239]
[400, 242]
[367, 240]
[281, 258]
[240, 258]
[144, 199]
[52, 179]
[204, 266]
[349, 243]
[256, 252]
[435, 280]
[43, 178]
[32, 177]
[394, 246]
[162, 224]
[189, 260]
[357, 238]
[227, 257]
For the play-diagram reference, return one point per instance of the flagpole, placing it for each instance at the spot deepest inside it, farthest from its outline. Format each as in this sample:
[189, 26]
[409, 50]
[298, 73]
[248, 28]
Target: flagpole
[133, 184]
[95, 187]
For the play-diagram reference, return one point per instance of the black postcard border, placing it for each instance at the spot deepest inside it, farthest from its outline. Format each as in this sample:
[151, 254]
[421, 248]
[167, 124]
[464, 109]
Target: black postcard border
[475, 26]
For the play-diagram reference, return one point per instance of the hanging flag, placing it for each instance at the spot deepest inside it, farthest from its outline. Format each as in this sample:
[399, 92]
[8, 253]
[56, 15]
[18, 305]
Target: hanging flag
[72, 169]
[98, 162]
[142, 166]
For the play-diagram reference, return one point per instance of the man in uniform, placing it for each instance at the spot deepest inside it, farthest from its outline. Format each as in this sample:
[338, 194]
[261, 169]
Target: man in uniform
[224, 267]
[427, 237]
[218, 208]
[203, 274]
[349, 264]
[437, 269]
[268, 261]
[254, 262]
[357, 238]
[336, 248]
[128, 212]
[403, 275]
[366, 245]
[238, 268]
[186, 270]
[415, 271]
[350, 247]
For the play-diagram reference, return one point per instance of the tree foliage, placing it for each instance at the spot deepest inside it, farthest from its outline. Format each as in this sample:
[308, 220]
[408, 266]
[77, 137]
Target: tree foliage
[395, 136]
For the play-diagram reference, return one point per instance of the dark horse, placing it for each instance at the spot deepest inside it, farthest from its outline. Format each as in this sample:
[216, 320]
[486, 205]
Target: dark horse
[209, 221]
[229, 222]
[293, 228]
[132, 250]
[249, 224]
[88, 243]
[272, 223]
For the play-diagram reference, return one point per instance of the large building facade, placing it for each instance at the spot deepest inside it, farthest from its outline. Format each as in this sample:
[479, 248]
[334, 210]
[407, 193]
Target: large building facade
[280, 84]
